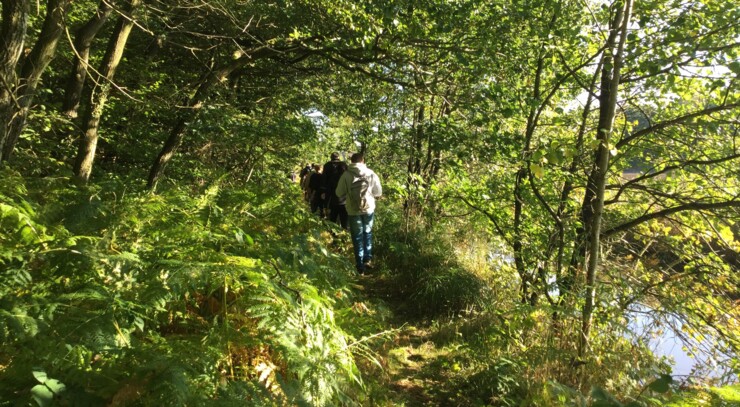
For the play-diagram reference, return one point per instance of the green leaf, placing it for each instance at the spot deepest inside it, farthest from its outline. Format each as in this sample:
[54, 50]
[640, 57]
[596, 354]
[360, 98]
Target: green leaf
[735, 67]
[662, 384]
[139, 323]
[55, 386]
[40, 376]
[555, 157]
[726, 233]
[42, 395]
[537, 171]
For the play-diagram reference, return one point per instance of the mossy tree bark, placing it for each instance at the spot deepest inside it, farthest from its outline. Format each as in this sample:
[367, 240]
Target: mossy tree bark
[100, 92]
[33, 67]
[12, 39]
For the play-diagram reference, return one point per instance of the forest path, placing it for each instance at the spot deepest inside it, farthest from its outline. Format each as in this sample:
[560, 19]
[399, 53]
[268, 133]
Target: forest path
[414, 366]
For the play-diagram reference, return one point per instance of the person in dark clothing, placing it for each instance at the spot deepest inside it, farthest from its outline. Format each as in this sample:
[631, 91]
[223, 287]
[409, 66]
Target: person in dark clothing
[332, 171]
[305, 181]
[316, 188]
[304, 172]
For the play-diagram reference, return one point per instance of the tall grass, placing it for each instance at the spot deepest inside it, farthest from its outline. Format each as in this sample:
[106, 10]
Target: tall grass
[429, 278]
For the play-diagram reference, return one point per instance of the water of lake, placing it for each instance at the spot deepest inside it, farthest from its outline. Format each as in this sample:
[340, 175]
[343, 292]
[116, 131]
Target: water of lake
[689, 358]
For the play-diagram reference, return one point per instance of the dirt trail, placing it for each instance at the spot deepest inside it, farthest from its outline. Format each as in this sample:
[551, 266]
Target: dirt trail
[413, 365]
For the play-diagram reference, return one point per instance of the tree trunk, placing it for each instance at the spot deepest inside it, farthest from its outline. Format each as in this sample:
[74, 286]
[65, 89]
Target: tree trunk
[191, 109]
[12, 38]
[414, 162]
[567, 277]
[176, 136]
[528, 279]
[33, 67]
[518, 239]
[594, 207]
[82, 43]
[99, 94]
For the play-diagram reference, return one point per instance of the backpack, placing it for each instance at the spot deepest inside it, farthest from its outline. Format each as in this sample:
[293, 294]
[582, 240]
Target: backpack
[333, 170]
[358, 192]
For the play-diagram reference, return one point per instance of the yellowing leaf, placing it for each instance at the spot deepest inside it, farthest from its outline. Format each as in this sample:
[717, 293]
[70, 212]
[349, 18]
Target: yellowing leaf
[726, 233]
[537, 171]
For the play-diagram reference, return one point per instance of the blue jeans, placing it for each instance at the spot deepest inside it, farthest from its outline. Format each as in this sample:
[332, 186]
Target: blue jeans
[361, 230]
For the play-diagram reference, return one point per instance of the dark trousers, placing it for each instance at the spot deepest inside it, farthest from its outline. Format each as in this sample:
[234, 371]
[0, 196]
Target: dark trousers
[338, 214]
[317, 203]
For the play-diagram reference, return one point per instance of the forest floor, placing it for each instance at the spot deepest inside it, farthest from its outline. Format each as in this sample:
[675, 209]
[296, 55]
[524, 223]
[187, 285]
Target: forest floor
[415, 367]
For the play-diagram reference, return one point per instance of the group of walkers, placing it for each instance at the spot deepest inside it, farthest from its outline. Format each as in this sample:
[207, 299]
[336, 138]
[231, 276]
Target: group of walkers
[319, 185]
[345, 194]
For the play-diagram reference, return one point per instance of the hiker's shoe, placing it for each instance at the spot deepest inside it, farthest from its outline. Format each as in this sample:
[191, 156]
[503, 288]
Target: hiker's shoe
[368, 265]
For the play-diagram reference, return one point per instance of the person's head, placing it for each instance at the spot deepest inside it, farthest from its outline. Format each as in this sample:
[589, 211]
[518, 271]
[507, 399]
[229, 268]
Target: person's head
[357, 158]
[334, 156]
[317, 167]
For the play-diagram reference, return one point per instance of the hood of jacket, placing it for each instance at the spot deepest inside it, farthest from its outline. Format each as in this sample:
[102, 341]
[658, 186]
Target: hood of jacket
[344, 188]
[359, 169]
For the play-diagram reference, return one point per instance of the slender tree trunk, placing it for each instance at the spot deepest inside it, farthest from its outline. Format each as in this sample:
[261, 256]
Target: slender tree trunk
[176, 135]
[518, 239]
[82, 44]
[568, 277]
[528, 279]
[12, 38]
[33, 67]
[100, 92]
[191, 109]
[414, 161]
[597, 180]
[418, 142]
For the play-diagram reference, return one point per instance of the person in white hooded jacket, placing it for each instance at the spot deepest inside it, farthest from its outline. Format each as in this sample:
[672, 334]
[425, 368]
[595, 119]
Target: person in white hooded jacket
[361, 186]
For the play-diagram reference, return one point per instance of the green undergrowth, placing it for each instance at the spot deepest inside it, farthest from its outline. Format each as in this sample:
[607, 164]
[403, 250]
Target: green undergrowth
[235, 295]
[444, 300]
[209, 296]
[425, 274]
[458, 334]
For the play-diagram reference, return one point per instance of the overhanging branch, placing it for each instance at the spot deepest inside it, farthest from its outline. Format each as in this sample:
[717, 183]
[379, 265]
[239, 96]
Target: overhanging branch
[678, 120]
[694, 206]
